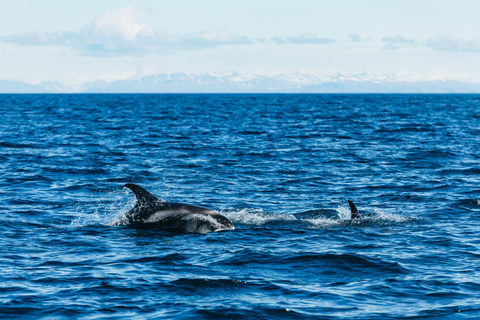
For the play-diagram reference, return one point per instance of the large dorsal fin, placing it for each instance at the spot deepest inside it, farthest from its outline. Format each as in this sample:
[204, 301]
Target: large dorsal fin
[144, 198]
[353, 209]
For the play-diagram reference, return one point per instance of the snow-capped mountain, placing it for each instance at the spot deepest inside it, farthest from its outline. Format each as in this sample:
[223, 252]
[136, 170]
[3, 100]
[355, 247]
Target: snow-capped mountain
[233, 82]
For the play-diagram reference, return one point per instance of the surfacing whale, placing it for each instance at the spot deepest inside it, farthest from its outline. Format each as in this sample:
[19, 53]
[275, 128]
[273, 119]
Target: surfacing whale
[149, 211]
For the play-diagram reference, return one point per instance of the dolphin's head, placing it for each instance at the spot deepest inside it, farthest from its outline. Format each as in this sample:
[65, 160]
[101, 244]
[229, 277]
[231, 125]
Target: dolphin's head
[226, 224]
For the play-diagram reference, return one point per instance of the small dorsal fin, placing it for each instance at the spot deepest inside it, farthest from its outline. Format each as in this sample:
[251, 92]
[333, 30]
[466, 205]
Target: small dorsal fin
[353, 209]
[144, 198]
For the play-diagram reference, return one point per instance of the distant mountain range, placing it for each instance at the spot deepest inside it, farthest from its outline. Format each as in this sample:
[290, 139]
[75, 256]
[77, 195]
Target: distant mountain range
[235, 83]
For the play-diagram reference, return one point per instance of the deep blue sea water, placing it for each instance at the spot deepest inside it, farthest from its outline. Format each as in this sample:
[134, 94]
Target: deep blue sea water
[411, 164]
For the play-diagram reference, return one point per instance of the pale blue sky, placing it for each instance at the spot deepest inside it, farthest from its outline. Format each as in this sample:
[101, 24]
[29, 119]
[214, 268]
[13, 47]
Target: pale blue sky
[85, 40]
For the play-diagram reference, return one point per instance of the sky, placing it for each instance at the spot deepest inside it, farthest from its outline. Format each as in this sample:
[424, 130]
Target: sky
[74, 41]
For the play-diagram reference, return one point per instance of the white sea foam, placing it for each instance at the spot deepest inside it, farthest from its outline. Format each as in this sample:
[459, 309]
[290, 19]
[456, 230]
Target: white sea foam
[258, 217]
[323, 222]
[107, 208]
[379, 215]
[251, 216]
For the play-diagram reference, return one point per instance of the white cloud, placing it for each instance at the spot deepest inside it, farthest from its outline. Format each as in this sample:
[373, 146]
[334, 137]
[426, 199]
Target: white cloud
[354, 37]
[277, 40]
[309, 38]
[305, 38]
[393, 43]
[442, 43]
[121, 24]
[453, 44]
[33, 38]
[118, 33]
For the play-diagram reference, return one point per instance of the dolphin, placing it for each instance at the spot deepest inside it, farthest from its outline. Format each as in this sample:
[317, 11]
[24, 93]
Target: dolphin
[313, 214]
[149, 211]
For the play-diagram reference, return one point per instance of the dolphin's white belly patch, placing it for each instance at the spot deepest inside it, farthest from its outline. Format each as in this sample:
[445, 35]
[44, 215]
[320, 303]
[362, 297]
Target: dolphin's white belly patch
[162, 214]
